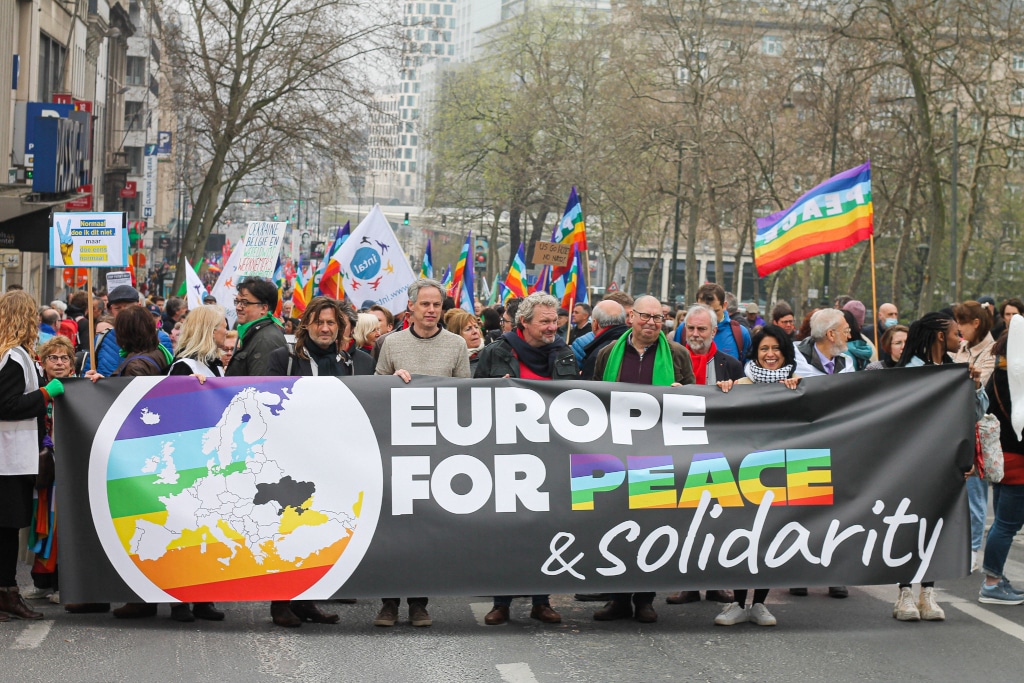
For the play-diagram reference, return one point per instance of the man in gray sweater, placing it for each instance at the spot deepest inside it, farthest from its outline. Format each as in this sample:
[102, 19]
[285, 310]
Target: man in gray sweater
[423, 348]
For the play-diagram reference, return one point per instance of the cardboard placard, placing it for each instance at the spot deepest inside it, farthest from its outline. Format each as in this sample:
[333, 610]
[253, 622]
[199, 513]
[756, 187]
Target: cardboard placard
[551, 253]
[260, 247]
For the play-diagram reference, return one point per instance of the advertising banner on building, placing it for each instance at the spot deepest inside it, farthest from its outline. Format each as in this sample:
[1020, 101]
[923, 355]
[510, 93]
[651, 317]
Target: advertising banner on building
[149, 182]
[90, 240]
[261, 488]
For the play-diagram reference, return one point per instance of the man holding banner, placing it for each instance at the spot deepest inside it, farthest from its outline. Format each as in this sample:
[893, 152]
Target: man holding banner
[259, 333]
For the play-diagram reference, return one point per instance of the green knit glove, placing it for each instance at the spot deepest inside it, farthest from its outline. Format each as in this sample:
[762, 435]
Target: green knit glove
[54, 388]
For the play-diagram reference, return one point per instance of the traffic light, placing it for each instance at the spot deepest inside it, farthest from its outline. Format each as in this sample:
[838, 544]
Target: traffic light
[444, 221]
[275, 216]
[406, 221]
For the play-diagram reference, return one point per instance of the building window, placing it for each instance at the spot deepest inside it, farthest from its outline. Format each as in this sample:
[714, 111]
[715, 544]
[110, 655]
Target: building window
[1017, 96]
[133, 119]
[412, 167]
[401, 166]
[448, 12]
[1017, 63]
[435, 9]
[134, 159]
[135, 71]
[408, 152]
[51, 56]
[771, 45]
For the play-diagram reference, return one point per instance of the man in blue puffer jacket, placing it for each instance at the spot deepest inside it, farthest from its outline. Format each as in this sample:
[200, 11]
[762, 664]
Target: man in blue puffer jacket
[108, 353]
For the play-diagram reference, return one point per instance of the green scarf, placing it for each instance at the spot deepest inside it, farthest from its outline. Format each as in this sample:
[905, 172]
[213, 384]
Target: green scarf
[664, 372]
[244, 327]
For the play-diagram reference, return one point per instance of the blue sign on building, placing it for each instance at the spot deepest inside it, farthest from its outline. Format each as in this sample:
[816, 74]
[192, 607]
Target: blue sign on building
[60, 154]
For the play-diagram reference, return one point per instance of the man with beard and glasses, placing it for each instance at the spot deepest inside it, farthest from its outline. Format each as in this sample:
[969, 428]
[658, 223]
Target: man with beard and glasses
[821, 353]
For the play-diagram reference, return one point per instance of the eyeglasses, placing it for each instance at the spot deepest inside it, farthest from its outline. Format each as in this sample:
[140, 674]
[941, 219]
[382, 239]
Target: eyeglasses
[506, 321]
[243, 303]
[648, 317]
[58, 359]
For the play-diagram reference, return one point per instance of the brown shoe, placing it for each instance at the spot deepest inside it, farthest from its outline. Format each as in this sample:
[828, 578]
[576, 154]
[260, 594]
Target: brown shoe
[388, 615]
[281, 613]
[614, 609]
[206, 611]
[87, 607]
[718, 596]
[14, 605]
[308, 611]
[545, 615]
[498, 615]
[644, 613]
[418, 615]
[135, 610]
[683, 597]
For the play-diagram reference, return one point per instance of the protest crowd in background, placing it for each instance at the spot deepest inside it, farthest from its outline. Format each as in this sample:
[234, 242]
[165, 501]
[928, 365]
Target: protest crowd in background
[619, 339]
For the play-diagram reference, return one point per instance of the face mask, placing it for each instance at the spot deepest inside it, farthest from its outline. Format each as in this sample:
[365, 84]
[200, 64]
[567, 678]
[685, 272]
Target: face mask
[889, 322]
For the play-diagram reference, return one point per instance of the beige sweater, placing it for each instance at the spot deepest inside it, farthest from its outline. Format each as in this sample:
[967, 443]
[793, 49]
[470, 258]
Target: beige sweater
[979, 356]
[443, 355]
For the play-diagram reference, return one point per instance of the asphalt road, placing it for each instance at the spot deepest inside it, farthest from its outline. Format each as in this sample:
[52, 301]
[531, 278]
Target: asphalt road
[817, 639]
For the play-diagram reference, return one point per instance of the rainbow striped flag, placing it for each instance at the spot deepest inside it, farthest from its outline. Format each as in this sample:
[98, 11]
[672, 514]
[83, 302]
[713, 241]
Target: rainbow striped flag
[833, 216]
[329, 283]
[571, 283]
[462, 278]
[427, 269]
[302, 292]
[543, 283]
[446, 279]
[570, 230]
[515, 281]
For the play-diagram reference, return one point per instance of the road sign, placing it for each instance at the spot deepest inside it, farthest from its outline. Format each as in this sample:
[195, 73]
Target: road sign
[10, 258]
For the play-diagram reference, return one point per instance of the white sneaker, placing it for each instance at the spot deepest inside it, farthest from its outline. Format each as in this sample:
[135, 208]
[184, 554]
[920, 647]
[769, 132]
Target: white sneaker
[760, 615]
[929, 609]
[732, 614]
[974, 561]
[36, 593]
[55, 597]
[905, 609]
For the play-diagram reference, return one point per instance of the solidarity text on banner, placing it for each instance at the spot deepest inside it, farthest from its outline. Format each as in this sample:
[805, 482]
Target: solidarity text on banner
[259, 488]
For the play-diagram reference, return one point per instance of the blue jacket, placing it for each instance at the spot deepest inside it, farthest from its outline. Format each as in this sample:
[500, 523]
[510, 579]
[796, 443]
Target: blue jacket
[108, 353]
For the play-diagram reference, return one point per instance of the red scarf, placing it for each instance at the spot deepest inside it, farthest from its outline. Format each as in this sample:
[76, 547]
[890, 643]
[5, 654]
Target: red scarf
[700, 362]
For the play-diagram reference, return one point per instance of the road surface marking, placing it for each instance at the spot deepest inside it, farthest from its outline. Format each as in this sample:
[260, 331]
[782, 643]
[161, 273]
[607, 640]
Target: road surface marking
[986, 616]
[33, 635]
[516, 673]
[480, 610]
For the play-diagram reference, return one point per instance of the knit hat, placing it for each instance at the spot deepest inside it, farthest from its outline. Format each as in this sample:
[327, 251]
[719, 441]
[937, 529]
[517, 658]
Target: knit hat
[857, 309]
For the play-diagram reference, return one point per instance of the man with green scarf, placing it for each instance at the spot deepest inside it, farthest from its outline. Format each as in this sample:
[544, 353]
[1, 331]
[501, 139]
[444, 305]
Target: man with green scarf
[645, 355]
[642, 356]
[258, 332]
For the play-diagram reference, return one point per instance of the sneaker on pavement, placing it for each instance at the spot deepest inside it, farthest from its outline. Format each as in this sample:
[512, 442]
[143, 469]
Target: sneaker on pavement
[905, 608]
[37, 593]
[997, 595]
[760, 615]
[929, 609]
[1005, 583]
[732, 614]
[388, 615]
[418, 615]
[55, 597]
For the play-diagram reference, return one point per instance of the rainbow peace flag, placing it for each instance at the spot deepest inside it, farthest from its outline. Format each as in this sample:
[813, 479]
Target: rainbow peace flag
[515, 281]
[833, 216]
[570, 230]
[330, 283]
[302, 293]
[543, 283]
[462, 278]
[427, 269]
[447, 280]
[571, 284]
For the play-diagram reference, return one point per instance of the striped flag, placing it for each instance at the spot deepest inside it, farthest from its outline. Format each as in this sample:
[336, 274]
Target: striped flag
[427, 269]
[833, 216]
[331, 284]
[515, 281]
[570, 230]
[462, 277]
[571, 284]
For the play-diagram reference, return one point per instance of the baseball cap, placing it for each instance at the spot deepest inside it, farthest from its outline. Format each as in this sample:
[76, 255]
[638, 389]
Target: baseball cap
[752, 308]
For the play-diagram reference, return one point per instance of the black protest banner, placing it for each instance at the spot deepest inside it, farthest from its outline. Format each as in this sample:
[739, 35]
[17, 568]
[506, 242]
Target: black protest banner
[273, 488]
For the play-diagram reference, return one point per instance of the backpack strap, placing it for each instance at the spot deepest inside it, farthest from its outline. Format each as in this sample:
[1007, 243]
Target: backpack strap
[291, 359]
[737, 334]
[120, 368]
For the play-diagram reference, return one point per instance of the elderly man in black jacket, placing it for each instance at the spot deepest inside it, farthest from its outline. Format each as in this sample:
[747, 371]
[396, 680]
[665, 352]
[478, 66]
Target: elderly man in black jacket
[259, 333]
[609, 323]
[709, 364]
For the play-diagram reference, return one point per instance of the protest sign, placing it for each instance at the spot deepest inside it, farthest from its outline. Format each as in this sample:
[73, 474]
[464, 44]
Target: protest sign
[260, 248]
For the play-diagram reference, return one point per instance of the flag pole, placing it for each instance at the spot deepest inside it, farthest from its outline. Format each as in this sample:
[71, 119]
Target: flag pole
[874, 290]
[92, 324]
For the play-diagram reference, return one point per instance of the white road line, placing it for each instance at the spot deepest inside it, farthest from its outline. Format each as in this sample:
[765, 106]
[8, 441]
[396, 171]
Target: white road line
[480, 610]
[33, 635]
[516, 673]
[985, 616]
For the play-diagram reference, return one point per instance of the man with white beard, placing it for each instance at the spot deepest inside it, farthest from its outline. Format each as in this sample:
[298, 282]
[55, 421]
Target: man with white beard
[709, 364]
[820, 353]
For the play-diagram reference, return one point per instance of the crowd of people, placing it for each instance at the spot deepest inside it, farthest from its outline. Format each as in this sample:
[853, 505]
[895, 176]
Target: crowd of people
[619, 339]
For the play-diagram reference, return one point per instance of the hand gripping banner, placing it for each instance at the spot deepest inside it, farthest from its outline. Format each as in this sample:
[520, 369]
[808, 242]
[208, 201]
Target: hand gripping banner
[260, 488]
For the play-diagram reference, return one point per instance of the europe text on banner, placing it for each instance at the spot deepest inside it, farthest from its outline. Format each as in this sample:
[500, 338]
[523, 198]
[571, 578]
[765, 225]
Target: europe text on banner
[373, 265]
[833, 216]
[243, 488]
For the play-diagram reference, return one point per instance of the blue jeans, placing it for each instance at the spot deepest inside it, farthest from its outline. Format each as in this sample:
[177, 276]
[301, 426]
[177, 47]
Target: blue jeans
[506, 600]
[977, 501]
[1008, 500]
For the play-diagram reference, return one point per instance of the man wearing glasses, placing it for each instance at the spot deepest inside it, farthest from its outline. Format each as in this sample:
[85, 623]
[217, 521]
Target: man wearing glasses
[642, 356]
[259, 334]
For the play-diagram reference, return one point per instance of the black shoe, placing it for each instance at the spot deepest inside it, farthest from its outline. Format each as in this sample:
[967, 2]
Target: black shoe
[592, 597]
[838, 592]
[802, 592]
[308, 611]
[206, 610]
[181, 612]
[281, 613]
[644, 613]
